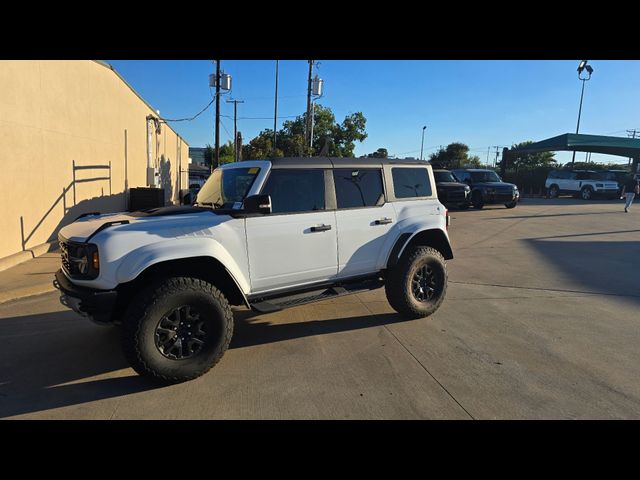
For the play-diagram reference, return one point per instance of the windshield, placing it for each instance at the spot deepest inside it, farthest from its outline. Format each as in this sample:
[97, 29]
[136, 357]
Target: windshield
[225, 187]
[488, 176]
[444, 177]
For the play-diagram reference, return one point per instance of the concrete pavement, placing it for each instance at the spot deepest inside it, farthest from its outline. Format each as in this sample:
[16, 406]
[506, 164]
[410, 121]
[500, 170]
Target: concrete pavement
[540, 321]
[33, 277]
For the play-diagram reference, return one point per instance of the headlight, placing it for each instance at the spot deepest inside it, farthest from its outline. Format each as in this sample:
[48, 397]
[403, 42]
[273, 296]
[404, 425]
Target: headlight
[467, 188]
[83, 261]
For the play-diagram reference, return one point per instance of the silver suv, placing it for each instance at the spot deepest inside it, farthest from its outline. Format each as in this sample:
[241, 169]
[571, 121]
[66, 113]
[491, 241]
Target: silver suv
[584, 184]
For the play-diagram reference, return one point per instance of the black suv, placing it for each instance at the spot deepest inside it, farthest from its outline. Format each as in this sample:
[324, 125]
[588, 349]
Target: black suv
[487, 187]
[451, 192]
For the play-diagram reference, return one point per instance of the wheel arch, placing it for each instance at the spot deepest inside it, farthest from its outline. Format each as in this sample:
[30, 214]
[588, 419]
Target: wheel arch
[203, 267]
[433, 237]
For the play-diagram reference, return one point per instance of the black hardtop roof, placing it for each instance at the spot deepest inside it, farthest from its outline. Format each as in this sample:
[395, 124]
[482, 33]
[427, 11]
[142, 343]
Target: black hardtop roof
[341, 162]
[474, 169]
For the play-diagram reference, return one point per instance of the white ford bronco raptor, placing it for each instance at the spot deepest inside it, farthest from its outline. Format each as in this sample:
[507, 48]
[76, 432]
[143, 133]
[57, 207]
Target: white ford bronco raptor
[266, 234]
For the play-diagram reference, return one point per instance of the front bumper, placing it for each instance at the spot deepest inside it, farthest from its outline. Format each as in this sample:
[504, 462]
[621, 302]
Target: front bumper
[501, 197]
[95, 304]
[454, 197]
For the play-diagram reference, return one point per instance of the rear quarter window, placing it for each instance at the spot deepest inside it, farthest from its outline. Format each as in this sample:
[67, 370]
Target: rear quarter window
[411, 182]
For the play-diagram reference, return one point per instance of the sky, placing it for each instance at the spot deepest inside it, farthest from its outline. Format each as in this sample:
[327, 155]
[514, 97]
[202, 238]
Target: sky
[481, 103]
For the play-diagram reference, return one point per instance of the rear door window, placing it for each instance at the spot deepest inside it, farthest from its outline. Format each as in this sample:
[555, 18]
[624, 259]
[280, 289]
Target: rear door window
[358, 187]
[411, 182]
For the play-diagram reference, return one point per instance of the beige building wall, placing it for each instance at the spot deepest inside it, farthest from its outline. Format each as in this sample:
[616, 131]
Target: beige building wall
[57, 113]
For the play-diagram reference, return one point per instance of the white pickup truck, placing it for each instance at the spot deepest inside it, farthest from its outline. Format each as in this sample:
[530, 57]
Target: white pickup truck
[266, 234]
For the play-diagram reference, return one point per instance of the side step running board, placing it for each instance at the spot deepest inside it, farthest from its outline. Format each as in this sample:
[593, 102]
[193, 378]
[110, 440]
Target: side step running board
[274, 304]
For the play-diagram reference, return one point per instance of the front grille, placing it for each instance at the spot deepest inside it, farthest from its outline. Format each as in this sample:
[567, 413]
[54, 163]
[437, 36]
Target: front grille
[64, 253]
[69, 251]
[455, 195]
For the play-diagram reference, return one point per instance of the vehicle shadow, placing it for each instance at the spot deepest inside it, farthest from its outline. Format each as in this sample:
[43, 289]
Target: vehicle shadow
[252, 329]
[51, 360]
[605, 267]
[47, 357]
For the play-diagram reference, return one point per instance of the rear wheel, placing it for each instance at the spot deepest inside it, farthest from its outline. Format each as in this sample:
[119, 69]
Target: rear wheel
[417, 285]
[553, 191]
[177, 329]
[586, 193]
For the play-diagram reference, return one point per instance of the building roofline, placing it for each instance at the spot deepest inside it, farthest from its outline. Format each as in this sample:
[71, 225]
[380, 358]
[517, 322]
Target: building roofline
[110, 67]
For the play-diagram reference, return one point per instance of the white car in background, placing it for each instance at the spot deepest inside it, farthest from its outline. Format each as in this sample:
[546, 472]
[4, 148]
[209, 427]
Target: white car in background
[585, 184]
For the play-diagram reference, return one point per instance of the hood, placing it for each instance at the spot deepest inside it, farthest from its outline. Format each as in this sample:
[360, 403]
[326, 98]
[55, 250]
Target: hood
[451, 185]
[83, 228]
[495, 184]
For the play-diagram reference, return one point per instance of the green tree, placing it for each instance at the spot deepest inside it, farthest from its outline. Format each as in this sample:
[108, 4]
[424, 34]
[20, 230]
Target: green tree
[226, 153]
[530, 161]
[209, 154]
[261, 147]
[337, 138]
[456, 155]
[380, 153]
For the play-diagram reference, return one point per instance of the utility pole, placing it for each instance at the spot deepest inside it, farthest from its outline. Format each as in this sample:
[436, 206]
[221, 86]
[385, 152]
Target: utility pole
[217, 156]
[235, 127]
[275, 112]
[632, 134]
[488, 150]
[497, 153]
[308, 122]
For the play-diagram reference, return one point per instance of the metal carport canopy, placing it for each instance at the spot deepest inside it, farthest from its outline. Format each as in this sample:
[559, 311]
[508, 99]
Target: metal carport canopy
[624, 147]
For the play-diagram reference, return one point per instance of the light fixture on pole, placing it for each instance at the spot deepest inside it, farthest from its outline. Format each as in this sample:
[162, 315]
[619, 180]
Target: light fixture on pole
[581, 68]
[422, 145]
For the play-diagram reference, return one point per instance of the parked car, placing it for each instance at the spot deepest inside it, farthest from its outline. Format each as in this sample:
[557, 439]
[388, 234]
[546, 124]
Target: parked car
[585, 184]
[451, 192]
[617, 175]
[267, 234]
[487, 187]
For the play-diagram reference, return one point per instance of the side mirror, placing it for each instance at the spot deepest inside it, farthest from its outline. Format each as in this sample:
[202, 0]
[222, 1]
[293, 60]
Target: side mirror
[258, 204]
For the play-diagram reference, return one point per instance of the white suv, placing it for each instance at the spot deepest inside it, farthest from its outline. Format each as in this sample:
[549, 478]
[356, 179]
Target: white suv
[583, 183]
[265, 234]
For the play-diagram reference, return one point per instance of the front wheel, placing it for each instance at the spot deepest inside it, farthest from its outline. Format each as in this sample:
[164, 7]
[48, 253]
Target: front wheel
[177, 329]
[476, 200]
[464, 206]
[511, 204]
[417, 285]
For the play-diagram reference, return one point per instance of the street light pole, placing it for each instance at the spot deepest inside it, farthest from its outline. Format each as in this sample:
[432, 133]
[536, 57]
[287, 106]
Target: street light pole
[422, 145]
[583, 66]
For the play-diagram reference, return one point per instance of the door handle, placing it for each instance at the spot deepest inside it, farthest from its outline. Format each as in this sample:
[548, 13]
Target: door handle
[383, 221]
[321, 228]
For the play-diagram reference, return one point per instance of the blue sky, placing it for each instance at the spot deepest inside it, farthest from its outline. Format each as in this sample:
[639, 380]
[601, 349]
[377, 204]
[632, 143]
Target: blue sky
[481, 103]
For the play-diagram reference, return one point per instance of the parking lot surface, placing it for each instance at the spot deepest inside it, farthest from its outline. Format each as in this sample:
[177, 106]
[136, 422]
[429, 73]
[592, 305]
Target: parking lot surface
[540, 321]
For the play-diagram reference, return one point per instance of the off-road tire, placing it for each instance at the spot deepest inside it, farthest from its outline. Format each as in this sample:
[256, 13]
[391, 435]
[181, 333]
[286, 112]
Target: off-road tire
[145, 313]
[476, 200]
[511, 204]
[398, 286]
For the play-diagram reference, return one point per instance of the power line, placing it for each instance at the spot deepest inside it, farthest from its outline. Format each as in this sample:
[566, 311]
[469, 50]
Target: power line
[261, 118]
[187, 119]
